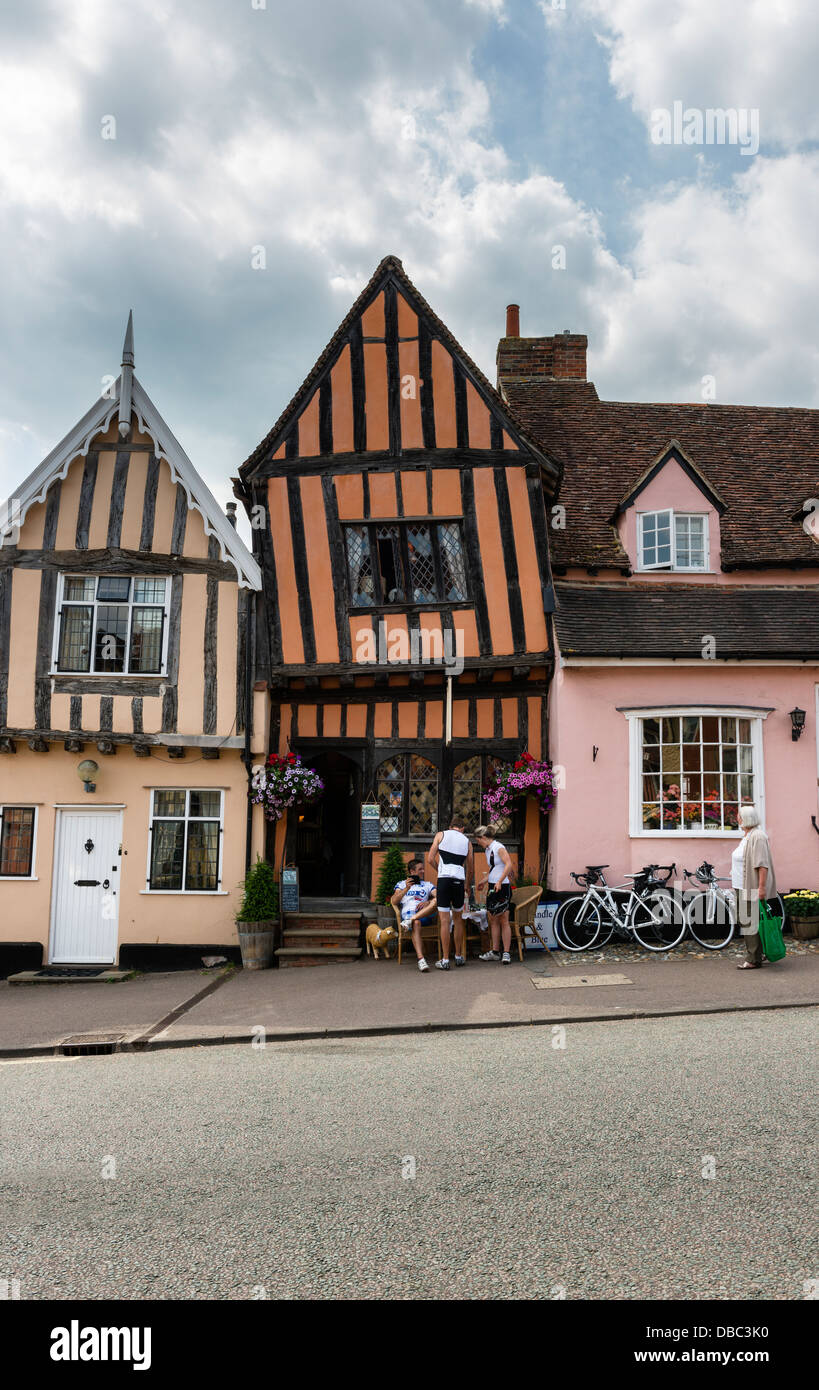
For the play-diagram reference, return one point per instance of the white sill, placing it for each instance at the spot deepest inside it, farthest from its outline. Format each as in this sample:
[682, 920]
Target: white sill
[109, 675]
[184, 893]
[19, 878]
[685, 834]
[677, 570]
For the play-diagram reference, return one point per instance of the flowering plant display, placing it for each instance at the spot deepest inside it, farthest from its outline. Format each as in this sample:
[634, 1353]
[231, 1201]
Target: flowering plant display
[283, 782]
[804, 903]
[526, 777]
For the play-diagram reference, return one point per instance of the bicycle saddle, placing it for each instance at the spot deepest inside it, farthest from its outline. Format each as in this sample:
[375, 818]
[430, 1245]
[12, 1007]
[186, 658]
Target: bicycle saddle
[596, 867]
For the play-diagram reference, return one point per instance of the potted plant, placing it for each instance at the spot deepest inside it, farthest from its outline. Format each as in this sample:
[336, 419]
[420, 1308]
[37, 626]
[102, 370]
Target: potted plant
[257, 918]
[802, 908]
[393, 869]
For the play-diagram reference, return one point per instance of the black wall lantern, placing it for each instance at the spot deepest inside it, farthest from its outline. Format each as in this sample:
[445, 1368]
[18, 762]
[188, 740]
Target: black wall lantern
[797, 723]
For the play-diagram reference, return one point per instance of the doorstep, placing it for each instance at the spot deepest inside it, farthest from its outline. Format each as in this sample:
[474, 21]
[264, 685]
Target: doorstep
[43, 977]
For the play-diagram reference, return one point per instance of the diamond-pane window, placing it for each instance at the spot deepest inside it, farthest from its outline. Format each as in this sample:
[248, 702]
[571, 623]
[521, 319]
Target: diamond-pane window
[391, 777]
[389, 560]
[423, 796]
[422, 565]
[452, 562]
[359, 565]
[466, 792]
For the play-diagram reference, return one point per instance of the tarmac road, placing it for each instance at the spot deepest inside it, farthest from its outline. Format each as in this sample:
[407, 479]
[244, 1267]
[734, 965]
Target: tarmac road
[478, 1165]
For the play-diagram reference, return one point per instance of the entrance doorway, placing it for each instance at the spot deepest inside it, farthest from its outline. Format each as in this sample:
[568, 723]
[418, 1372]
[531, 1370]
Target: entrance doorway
[85, 901]
[327, 833]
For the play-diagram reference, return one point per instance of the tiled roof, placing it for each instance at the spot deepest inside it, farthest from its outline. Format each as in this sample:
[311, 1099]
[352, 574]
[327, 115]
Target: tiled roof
[673, 618]
[763, 461]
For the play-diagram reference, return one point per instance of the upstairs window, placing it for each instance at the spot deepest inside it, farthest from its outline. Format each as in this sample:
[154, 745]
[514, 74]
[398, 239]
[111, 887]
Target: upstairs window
[670, 540]
[405, 562]
[111, 624]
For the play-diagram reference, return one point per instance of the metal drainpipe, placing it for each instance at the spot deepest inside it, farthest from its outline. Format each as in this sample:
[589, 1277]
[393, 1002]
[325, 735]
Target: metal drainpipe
[249, 630]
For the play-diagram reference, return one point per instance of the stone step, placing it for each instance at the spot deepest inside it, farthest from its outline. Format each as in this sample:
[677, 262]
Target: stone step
[316, 955]
[334, 938]
[322, 921]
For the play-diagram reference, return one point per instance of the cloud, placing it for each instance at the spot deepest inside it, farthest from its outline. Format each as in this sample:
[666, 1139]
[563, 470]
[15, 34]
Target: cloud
[759, 54]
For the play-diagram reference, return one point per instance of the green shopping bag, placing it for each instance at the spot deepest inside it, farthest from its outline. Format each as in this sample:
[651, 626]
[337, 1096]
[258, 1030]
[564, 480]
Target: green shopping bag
[770, 933]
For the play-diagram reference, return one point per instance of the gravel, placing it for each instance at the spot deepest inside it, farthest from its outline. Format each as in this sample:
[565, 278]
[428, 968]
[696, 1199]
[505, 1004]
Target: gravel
[539, 1171]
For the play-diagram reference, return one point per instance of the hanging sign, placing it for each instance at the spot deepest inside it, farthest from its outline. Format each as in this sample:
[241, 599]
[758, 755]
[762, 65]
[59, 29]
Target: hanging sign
[290, 890]
[370, 825]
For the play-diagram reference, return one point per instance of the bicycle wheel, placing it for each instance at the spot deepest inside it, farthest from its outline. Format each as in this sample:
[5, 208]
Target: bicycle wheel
[577, 924]
[711, 918]
[657, 921]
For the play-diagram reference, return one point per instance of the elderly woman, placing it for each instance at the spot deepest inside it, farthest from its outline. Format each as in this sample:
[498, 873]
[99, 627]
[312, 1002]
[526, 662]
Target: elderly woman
[752, 875]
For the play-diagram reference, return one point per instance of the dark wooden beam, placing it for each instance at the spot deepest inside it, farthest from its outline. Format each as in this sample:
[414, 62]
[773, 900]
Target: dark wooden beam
[7, 745]
[210, 635]
[474, 564]
[38, 745]
[176, 752]
[111, 562]
[510, 560]
[146, 538]
[210, 754]
[87, 486]
[301, 571]
[117, 504]
[73, 745]
[107, 747]
[359, 389]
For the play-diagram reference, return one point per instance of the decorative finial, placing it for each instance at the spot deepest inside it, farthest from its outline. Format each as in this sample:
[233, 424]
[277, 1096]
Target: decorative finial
[127, 377]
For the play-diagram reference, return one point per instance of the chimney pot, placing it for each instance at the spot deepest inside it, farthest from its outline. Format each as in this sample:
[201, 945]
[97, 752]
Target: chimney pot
[513, 320]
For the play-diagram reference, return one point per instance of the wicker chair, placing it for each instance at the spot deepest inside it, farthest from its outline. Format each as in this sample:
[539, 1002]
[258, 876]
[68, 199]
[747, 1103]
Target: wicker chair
[524, 906]
[429, 931]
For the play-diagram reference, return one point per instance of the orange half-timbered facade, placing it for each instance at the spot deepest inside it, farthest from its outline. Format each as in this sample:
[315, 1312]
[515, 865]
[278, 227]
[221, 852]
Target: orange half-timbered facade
[399, 520]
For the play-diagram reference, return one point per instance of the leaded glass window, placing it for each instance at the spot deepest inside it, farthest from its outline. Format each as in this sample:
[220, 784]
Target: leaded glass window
[471, 779]
[359, 566]
[452, 562]
[186, 828]
[405, 562]
[407, 790]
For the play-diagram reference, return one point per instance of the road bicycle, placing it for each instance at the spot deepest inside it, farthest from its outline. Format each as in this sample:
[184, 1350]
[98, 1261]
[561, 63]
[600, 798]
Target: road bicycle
[646, 910]
[710, 915]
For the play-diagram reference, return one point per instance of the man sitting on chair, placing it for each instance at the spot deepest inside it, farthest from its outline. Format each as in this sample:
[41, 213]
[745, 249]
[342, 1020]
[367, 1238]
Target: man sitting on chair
[418, 902]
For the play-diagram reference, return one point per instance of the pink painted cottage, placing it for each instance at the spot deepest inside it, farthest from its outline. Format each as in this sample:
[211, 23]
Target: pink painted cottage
[685, 551]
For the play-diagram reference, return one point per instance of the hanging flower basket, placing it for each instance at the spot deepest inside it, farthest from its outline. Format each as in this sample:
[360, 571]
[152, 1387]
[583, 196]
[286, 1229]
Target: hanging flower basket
[285, 782]
[525, 778]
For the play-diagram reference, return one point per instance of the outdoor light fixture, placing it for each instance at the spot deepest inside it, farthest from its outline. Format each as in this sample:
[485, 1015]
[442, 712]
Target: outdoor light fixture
[797, 723]
[87, 771]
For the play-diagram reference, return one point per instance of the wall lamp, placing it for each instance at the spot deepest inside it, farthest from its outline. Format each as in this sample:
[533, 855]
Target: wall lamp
[797, 723]
[87, 771]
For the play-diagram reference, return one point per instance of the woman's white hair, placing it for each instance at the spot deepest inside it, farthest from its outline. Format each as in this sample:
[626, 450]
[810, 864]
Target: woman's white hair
[749, 817]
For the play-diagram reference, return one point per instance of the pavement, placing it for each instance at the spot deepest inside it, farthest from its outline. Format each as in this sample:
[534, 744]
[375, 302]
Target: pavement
[659, 1158]
[186, 1008]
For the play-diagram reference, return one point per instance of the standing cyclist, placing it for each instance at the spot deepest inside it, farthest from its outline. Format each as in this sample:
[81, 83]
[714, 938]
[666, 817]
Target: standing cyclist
[451, 855]
[500, 877]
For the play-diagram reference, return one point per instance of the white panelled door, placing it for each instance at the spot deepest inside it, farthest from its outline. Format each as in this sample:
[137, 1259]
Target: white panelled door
[86, 890]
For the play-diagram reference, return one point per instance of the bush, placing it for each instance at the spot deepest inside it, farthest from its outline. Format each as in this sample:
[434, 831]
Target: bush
[260, 901]
[803, 903]
[393, 869]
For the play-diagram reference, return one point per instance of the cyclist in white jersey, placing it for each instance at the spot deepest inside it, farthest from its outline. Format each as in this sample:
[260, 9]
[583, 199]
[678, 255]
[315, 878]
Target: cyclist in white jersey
[451, 855]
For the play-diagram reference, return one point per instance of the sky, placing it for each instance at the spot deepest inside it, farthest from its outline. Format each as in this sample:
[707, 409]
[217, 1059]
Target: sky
[234, 170]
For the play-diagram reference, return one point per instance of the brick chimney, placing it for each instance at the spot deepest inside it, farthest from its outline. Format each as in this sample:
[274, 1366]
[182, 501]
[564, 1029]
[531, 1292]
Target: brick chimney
[522, 361]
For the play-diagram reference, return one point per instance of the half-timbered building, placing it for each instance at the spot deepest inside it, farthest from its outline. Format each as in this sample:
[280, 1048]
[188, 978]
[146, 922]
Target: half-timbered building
[127, 609]
[399, 520]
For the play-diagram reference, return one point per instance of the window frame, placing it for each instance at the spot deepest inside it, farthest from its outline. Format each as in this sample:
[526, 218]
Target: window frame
[672, 566]
[637, 831]
[408, 754]
[185, 820]
[31, 876]
[62, 602]
[517, 832]
[380, 602]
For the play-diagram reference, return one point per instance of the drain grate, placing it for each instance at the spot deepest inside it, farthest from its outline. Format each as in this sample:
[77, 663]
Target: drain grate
[64, 972]
[90, 1044]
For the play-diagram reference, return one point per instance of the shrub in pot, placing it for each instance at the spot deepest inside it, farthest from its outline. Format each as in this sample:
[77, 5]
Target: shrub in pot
[393, 869]
[257, 918]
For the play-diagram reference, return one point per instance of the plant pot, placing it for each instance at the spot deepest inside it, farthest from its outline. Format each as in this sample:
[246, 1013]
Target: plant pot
[804, 928]
[258, 942]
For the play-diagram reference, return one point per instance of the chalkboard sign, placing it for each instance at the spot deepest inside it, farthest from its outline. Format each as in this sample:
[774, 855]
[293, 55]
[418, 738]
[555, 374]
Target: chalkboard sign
[370, 825]
[290, 890]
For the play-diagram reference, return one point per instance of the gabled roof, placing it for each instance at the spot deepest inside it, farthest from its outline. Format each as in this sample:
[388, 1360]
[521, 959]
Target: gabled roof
[672, 453]
[761, 461]
[96, 421]
[390, 271]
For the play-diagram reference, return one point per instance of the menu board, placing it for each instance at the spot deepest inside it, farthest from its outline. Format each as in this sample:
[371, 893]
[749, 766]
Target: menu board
[290, 890]
[370, 825]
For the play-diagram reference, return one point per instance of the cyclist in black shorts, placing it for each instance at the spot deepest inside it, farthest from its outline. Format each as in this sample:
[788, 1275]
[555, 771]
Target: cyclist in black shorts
[451, 855]
[500, 877]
